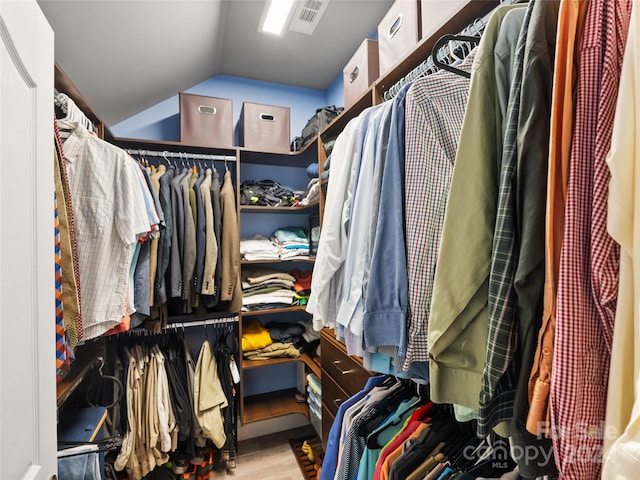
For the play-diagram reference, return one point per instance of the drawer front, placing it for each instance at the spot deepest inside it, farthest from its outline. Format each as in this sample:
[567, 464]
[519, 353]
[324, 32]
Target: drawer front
[327, 421]
[332, 394]
[347, 373]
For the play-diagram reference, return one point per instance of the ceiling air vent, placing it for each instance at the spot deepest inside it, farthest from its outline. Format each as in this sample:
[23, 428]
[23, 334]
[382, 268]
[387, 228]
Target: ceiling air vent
[307, 15]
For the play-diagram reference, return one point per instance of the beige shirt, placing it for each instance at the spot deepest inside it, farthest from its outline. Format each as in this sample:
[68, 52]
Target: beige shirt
[208, 397]
[621, 456]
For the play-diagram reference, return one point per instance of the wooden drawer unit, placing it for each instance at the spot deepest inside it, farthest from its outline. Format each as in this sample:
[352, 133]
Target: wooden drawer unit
[342, 377]
[332, 394]
[327, 421]
[347, 372]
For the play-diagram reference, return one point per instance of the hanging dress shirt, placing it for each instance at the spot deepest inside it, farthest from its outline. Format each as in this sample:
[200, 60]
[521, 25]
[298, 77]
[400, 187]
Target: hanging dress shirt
[332, 246]
[587, 288]
[385, 311]
[435, 107]
[457, 330]
[518, 253]
[351, 311]
[110, 215]
[499, 375]
[622, 438]
[570, 25]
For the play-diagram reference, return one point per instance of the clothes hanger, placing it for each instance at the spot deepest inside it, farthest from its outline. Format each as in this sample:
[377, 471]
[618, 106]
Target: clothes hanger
[443, 41]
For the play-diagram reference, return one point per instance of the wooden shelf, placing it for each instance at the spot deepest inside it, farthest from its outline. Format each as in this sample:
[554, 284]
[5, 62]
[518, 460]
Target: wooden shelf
[86, 358]
[300, 159]
[279, 260]
[304, 357]
[267, 209]
[294, 308]
[271, 405]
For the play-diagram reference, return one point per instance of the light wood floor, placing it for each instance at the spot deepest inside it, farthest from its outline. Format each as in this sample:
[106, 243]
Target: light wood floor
[269, 457]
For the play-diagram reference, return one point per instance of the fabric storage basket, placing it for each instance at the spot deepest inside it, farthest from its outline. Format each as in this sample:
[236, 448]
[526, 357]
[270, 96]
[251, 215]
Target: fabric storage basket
[206, 121]
[361, 71]
[265, 127]
[398, 33]
[434, 14]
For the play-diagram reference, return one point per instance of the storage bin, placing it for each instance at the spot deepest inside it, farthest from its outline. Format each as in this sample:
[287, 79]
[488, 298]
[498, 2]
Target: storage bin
[398, 33]
[435, 14]
[206, 121]
[360, 72]
[265, 127]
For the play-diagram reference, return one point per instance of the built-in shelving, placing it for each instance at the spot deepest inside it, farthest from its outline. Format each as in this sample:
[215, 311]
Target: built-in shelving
[304, 358]
[268, 311]
[279, 260]
[267, 209]
[272, 405]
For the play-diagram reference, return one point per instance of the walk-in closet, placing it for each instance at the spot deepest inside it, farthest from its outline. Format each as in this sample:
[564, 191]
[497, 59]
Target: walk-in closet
[318, 240]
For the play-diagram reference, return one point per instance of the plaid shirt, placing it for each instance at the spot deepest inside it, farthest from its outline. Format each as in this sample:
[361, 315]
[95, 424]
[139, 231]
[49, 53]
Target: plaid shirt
[499, 376]
[434, 113]
[586, 297]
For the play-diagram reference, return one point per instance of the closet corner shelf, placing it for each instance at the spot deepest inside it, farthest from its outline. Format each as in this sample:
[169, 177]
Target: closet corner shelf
[267, 209]
[299, 159]
[304, 358]
[294, 308]
[271, 405]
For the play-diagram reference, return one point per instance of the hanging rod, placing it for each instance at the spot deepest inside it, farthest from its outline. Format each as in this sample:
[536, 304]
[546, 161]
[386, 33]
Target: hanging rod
[202, 323]
[181, 155]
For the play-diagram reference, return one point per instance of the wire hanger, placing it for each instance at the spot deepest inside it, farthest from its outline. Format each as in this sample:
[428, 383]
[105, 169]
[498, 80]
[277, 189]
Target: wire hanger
[442, 41]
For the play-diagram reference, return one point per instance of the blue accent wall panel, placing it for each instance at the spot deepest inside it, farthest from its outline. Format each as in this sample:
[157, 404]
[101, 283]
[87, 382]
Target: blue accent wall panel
[335, 92]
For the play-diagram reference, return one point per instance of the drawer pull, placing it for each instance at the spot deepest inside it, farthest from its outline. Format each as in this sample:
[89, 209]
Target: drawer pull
[337, 402]
[336, 363]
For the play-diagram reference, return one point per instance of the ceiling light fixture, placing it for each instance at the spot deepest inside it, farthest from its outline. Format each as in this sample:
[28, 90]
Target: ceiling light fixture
[275, 16]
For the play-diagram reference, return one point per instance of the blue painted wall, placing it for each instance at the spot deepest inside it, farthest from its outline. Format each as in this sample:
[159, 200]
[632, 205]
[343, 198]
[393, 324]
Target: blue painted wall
[335, 92]
[162, 121]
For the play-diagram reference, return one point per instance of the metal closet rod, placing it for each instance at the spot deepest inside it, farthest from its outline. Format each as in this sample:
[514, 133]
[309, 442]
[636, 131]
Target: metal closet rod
[201, 323]
[180, 155]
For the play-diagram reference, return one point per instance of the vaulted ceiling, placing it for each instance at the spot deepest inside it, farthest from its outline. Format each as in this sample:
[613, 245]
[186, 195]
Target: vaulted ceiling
[128, 55]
